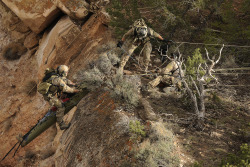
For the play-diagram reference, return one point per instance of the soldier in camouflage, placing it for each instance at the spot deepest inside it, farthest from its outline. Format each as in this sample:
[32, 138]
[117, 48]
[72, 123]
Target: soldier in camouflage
[59, 84]
[169, 75]
[139, 34]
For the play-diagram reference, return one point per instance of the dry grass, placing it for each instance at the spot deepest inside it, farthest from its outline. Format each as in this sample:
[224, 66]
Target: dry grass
[102, 73]
[13, 51]
[159, 149]
[126, 89]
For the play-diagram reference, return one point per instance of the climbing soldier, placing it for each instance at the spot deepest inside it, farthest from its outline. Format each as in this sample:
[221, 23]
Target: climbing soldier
[54, 84]
[139, 34]
[169, 75]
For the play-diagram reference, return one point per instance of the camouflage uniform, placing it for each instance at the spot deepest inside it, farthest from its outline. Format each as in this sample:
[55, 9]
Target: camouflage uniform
[59, 84]
[132, 41]
[169, 75]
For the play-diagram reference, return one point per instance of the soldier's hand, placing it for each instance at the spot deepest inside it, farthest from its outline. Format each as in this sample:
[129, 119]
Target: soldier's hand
[76, 90]
[119, 44]
[168, 41]
[77, 85]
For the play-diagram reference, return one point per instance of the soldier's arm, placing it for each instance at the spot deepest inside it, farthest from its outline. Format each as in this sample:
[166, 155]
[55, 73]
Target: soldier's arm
[69, 82]
[65, 88]
[155, 34]
[129, 33]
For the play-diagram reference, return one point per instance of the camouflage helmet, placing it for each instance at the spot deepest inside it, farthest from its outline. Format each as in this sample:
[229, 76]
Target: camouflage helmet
[140, 23]
[141, 28]
[63, 70]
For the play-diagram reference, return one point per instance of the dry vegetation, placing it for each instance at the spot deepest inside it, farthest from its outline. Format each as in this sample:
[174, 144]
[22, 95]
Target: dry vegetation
[13, 51]
[102, 73]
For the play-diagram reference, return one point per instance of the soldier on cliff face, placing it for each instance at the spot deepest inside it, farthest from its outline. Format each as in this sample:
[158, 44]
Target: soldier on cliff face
[139, 34]
[56, 84]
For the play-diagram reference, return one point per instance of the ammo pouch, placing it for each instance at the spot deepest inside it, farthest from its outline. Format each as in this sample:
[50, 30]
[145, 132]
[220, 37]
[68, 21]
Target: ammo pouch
[53, 89]
[44, 88]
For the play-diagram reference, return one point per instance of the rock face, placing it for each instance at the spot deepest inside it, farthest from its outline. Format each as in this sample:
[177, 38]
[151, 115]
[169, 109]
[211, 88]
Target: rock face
[66, 43]
[70, 44]
[97, 137]
[36, 14]
[31, 40]
[74, 9]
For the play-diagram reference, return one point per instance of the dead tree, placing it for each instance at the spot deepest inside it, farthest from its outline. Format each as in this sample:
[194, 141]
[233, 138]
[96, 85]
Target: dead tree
[209, 68]
[197, 92]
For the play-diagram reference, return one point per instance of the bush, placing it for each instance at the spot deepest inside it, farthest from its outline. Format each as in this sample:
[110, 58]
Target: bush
[93, 78]
[102, 73]
[114, 59]
[136, 130]
[193, 62]
[104, 64]
[13, 51]
[242, 159]
[159, 149]
[126, 89]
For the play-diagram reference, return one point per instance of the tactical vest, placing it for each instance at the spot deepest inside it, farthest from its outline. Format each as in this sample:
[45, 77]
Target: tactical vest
[143, 40]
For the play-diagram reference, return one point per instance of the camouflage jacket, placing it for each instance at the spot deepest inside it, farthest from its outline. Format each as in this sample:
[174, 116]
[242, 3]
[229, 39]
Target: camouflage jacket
[132, 38]
[60, 84]
[171, 69]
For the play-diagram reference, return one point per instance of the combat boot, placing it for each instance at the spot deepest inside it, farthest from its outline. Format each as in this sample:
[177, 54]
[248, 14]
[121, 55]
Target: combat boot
[64, 126]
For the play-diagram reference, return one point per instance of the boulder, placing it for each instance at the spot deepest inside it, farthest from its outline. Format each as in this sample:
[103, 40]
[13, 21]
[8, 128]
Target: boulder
[75, 9]
[36, 14]
[68, 43]
[31, 40]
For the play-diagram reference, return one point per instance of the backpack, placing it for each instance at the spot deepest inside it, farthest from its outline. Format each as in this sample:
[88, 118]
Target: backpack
[46, 84]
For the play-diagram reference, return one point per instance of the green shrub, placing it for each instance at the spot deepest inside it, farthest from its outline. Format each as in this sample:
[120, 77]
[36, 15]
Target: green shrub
[197, 164]
[193, 62]
[123, 15]
[242, 159]
[136, 130]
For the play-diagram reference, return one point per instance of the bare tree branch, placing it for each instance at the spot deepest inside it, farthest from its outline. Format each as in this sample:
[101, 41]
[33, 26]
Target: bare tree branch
[197, 89]
[220, 54]
[208, 55]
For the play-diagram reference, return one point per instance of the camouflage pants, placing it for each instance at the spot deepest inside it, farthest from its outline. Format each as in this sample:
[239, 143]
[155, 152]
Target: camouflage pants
[54, 101]
[170, 80]
[146, 52]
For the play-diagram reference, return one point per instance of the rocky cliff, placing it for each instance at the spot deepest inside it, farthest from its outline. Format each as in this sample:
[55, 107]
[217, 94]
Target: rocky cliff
[62, 42]
[119, 123]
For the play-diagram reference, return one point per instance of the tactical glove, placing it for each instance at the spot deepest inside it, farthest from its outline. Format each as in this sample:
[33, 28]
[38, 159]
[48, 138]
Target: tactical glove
[119, 44]
[168, 41]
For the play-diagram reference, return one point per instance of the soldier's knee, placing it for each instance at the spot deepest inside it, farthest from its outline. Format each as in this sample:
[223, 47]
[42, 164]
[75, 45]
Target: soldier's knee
[60, 112]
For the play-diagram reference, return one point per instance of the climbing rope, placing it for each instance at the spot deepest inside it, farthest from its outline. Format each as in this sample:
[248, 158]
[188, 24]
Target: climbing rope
[198, 43]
